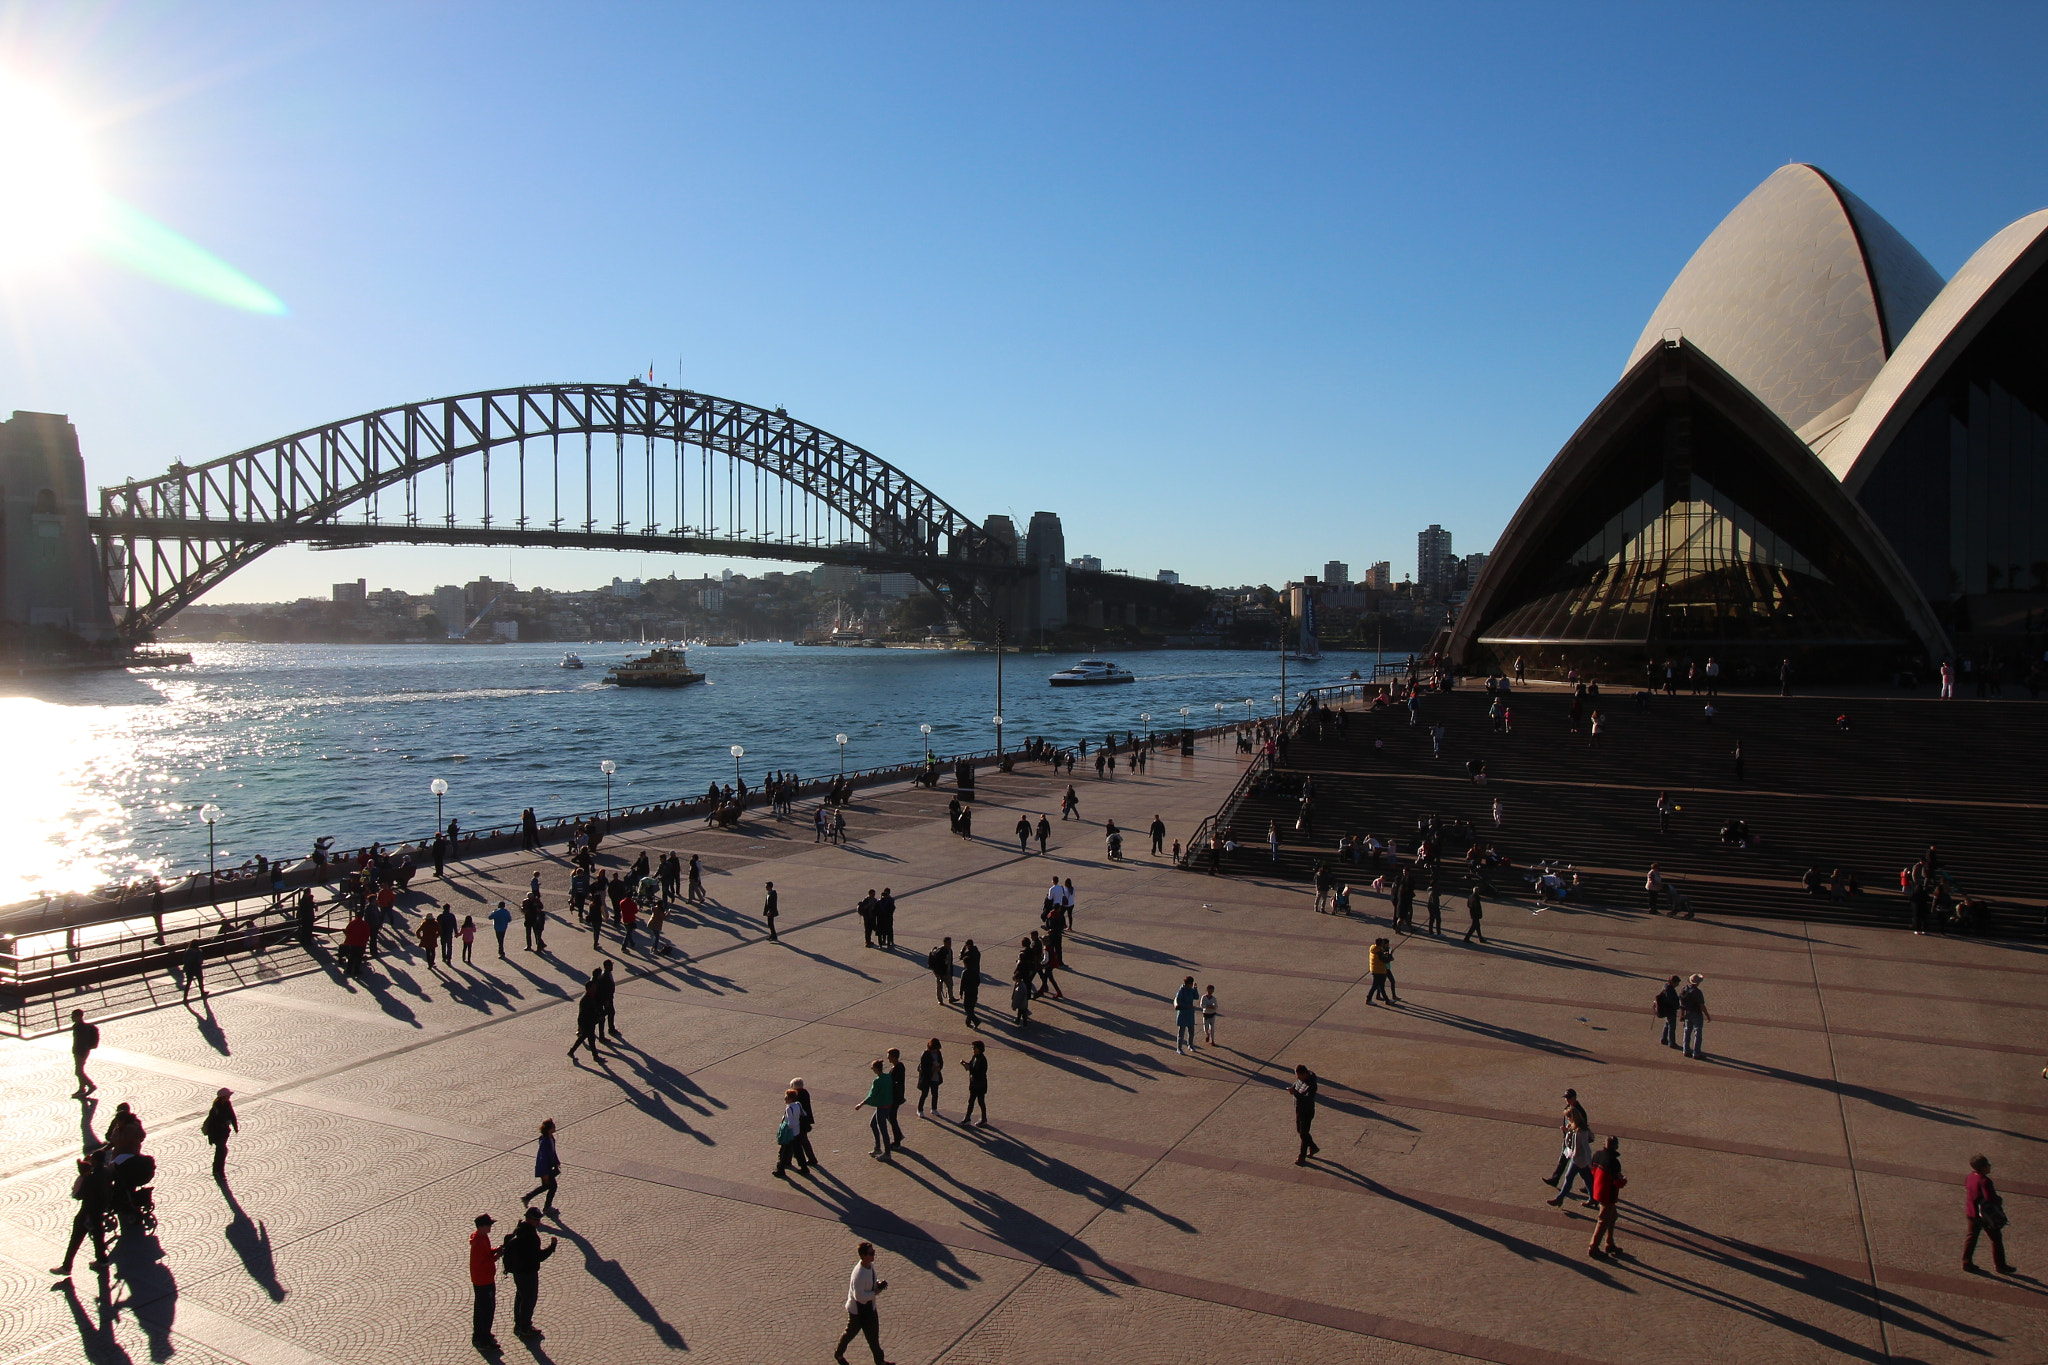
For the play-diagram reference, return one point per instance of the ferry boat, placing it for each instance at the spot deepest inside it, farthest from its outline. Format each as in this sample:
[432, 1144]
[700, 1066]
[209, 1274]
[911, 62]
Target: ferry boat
[572, 660]
[1092, 673]
[662, 668]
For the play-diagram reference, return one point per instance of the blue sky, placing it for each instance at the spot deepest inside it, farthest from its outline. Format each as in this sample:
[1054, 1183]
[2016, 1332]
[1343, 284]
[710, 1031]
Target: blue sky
[1232, 288]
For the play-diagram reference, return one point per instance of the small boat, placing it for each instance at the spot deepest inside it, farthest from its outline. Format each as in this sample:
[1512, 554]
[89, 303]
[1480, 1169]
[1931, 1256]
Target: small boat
[722, 642]
[662, 668]
[572, 660]
[1092, 673]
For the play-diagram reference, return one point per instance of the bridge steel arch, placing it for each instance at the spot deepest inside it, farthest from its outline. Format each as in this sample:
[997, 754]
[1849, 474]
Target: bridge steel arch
[812, 496]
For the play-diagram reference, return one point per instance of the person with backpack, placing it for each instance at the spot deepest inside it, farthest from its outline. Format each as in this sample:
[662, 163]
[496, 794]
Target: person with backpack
[1665, 1007]
[939, 961]
[1692, 1013]
[521, 1255]
[1985, 1211]
[219, 1122]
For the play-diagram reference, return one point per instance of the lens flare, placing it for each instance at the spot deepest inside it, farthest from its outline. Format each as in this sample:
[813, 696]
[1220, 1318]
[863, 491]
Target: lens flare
[51, 205]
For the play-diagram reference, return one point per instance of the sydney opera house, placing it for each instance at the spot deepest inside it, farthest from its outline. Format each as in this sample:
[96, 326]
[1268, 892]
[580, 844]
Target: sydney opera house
[1818, 451]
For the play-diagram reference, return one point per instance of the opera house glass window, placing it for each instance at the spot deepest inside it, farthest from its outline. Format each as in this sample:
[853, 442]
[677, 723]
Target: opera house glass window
[1702, 568]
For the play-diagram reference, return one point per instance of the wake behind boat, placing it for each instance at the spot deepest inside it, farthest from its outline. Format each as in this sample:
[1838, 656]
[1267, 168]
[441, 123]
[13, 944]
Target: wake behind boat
[662, 668]
[1092, 673]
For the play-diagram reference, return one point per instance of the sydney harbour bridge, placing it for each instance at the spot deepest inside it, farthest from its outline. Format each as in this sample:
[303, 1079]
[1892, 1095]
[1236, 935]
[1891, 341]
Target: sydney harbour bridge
[625, 466]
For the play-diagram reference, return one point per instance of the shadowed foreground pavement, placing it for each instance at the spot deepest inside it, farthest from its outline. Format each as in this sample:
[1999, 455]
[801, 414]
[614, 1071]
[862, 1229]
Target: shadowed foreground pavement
[1795, 1196]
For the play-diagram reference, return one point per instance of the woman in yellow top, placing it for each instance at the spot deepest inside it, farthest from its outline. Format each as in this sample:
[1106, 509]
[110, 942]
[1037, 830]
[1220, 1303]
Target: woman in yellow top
[1380, 960]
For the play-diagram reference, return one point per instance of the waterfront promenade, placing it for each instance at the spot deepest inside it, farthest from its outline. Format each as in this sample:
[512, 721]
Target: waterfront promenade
[1794, 1196]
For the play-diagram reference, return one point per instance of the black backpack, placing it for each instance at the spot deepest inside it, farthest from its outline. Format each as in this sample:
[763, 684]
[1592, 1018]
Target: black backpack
[931, 960]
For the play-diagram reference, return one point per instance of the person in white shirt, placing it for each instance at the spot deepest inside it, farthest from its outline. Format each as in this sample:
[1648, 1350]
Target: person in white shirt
[860, 1307]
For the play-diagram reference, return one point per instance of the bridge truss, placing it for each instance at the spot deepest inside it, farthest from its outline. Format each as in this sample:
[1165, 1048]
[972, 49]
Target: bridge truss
[575, 466]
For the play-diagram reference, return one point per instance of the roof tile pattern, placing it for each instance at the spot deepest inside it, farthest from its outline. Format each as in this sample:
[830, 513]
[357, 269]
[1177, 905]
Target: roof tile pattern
[1781, 296]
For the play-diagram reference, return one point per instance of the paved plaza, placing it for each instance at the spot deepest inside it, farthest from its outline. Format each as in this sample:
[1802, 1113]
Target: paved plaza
[1796, 1195]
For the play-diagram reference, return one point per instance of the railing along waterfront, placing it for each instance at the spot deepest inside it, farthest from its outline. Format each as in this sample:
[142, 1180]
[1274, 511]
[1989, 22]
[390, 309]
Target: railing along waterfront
[237, 914]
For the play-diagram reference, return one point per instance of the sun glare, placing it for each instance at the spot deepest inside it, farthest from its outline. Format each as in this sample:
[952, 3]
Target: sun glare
[46, 179]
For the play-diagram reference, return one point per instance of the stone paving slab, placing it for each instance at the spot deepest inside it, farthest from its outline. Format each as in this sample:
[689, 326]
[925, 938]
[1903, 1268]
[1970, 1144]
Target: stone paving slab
[1126, 1202]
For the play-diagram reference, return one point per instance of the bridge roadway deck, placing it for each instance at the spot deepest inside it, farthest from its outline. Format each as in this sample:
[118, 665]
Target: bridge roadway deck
[1796, 1196]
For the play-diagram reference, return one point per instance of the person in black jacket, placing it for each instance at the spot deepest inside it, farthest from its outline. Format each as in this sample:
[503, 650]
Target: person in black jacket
[589, 1014]
[219, 1122]
[92, 1191]
[521, 1257]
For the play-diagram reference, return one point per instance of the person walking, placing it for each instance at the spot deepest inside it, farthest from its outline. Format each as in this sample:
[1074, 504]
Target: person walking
[1666, 1008]
[803, 1099]
[1023, 834]
[483, 1285]
[1607, 1186]
[446, 923]
[696, 891]
[1477, 910]
[931, 1074]
[771, 906]
[881, 1094]
[608, 991]
[970, 984]
[629, 921]
[589, 1015]
[92, 1188]
[789, 1137]
[1070, 805]
[547, 1164]
[1574, 1121]
[1982, 1206]
[467, 933]
[1692, 1011]
[219, 1123]
[1184, 1001]
[885, 919]
[976, 1067]
[521, 1256]
[940, 961]
[501, 920]
[1044, 832]
[1209, 1015]
[1304, 1092]
[860, 1306]
[84, 1038]
[1580, 1146]
[899, 1076]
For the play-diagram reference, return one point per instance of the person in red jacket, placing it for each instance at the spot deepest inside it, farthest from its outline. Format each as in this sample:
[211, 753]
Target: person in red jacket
[1607, 1185]
[483, 1285]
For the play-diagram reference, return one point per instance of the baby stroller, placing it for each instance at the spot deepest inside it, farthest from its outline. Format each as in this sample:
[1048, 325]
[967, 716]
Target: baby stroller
[133, 1205]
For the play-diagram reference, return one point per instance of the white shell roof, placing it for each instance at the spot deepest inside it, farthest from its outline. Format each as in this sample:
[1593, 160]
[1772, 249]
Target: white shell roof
[1800, 294]
[1947, 325]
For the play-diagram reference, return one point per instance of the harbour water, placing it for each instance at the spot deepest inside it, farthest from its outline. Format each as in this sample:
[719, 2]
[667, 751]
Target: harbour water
[291, 742]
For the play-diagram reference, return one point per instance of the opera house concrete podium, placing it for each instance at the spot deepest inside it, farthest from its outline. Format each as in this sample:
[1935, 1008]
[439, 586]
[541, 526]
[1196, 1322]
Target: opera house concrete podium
[1818, 451]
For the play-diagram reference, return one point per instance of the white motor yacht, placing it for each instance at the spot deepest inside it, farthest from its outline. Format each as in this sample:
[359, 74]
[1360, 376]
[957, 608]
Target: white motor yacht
[1092, 673]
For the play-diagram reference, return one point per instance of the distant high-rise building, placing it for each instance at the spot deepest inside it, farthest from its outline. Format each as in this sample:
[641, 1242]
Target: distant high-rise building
[354, 594]
[1380, 575]
[1086, 564]
[1336, 573]
[711, 599]
[451, 604]
[1473, 564]
[1168, 576]
[1432, 554]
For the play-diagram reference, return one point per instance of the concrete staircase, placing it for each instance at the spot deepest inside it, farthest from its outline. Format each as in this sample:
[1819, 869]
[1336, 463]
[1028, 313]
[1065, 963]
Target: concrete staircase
[1908, 772]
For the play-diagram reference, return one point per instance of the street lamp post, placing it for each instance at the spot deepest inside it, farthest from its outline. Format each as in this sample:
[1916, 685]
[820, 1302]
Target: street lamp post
[999, 694]
[608, 767]
[998, 719]
[926, 731]
[841, 741]
[209, 813]
[737, 754]
[439, 787]
[1146, 716]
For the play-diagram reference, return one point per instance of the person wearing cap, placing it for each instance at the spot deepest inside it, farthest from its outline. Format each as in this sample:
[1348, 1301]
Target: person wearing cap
[1573, 1123]
[861, 1290]
[522, 1254]
[219, 1122]
[483, 1285]
[1692, 1012]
